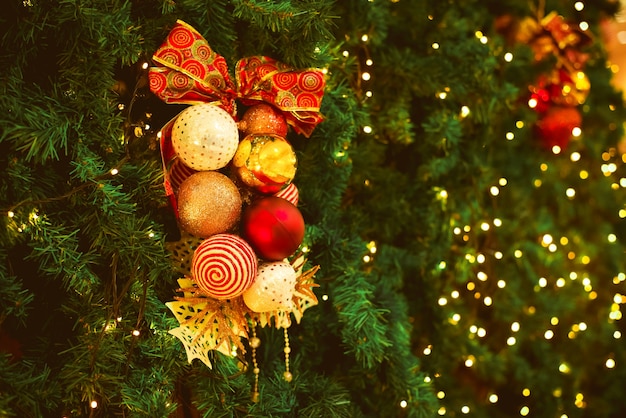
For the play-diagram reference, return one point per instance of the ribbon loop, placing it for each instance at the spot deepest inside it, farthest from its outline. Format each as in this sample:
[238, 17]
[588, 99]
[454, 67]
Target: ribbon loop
[190, 72]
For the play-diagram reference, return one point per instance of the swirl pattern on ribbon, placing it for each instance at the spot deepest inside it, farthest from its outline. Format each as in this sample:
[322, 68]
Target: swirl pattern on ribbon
[224, 266]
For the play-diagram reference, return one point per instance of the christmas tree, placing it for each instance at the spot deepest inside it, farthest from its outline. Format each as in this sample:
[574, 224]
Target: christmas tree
[461, 187]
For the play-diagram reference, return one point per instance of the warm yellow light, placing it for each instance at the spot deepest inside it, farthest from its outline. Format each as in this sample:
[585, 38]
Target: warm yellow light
[510, 341]
[543, 282]
[548, 334]
[575, 156]
[519, 124]
[610, 363]
[442, 410]
[482, 276]
[579, 5]
[560, 282]
[435, 45]
[480, 258]
[428, 350]
[488, 301]
[518, 254]
[501, 284]
[612, 238]
[93, 404]
[366, 76]
[497, 222]
[442, 301]
[554, 320]
[508, 57]
[526, 392]
[583, 26]
[367, 129]
[576, 132]
[498, 255]
[493, 398]
[532, 103]
[494, 191]
[524, 411]
[465, 409]
[564, 368]
[484, 226]
[403, 404]
[515, 326]
[556, 150]
[465, 111]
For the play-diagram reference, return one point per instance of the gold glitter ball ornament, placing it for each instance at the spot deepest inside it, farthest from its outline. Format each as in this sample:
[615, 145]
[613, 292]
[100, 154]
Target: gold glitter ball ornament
[265, 162]
[205, 137]
[209, 203]
[263, 119]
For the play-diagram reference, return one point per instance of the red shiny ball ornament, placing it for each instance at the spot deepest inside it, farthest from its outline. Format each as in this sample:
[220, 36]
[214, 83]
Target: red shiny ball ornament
[263, 119]
[273, 226]
[555, 127]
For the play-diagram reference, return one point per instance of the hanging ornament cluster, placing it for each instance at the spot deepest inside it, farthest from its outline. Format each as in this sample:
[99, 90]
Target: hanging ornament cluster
[230, 183]
[557, 95]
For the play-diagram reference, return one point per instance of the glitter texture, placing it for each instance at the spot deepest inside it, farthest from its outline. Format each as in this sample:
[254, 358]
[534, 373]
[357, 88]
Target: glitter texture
[209, 203]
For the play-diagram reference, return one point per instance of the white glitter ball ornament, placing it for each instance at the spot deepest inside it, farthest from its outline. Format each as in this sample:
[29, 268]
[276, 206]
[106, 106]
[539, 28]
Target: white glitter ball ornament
[205, 137]
[272, 289]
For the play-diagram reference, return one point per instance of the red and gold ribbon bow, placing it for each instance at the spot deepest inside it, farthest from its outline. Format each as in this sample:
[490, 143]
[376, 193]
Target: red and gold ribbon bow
[190, 72]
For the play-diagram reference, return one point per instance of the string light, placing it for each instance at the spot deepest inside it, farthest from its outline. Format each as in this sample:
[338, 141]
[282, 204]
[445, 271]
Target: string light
[508, 57]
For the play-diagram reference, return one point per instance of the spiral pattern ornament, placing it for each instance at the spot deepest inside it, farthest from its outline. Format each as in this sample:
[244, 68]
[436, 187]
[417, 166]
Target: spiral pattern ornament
[224, 266]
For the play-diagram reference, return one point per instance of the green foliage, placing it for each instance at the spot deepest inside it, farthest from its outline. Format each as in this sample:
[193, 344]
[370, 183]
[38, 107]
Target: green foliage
[430, 203]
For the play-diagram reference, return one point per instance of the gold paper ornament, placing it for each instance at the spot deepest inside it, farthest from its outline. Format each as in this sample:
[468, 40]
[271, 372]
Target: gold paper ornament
[209, 203]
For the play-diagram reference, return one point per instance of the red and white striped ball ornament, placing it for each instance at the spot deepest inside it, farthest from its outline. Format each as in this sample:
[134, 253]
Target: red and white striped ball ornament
[289, 193]
[224, 266]
[179, 172]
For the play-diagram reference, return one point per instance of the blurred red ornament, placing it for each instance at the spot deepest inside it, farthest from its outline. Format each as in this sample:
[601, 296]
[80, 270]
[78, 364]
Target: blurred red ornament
[539, 99]
[273, 227]
[263, 119]
[556, 126]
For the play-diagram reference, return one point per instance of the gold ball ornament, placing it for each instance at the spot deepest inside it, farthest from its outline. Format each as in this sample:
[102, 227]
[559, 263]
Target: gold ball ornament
[265, 162]
[263, 119]
[205, 137]
[209, 203]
